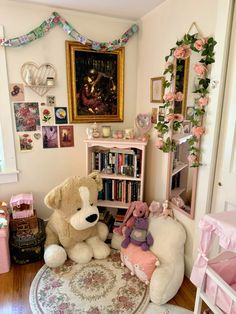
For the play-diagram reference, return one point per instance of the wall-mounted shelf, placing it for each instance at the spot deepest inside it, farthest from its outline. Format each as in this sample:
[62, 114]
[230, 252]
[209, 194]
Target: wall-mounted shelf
[178, 168]
[39, 78]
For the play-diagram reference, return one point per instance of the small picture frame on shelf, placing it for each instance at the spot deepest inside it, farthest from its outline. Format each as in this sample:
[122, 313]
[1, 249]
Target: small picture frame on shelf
[154, 115]
[157, 89]
[187, 126]
[161, 113]
[189, 112]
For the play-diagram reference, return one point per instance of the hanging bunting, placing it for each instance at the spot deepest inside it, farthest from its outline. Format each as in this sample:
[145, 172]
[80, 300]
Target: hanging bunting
[56, 19]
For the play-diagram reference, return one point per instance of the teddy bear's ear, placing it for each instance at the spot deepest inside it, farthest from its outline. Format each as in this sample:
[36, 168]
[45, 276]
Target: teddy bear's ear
[53, 198]
[97, 178]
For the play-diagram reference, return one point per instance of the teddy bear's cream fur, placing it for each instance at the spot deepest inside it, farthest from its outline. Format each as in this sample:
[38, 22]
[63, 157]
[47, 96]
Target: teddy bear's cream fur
[73, 229]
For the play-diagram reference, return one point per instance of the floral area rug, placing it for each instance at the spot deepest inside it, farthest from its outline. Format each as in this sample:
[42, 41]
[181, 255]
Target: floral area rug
[166, 309]
[99, 287]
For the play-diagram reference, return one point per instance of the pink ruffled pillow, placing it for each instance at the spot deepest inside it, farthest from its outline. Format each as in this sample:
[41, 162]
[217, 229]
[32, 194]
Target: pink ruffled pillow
[140, 263]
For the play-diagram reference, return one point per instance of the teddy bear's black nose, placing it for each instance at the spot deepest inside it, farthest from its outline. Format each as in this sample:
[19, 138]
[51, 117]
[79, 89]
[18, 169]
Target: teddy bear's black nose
[92, 218]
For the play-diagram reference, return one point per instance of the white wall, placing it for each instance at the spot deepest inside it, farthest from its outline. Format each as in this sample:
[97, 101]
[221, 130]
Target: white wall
[42, 169]
[160, 29]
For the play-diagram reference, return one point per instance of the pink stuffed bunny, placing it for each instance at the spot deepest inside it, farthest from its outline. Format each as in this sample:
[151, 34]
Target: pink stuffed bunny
[136, 209]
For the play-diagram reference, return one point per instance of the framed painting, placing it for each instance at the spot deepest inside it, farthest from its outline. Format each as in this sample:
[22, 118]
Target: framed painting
[95, 83]
[157, 89]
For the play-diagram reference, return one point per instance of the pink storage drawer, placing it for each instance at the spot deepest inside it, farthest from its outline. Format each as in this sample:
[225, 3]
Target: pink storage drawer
[4, 251]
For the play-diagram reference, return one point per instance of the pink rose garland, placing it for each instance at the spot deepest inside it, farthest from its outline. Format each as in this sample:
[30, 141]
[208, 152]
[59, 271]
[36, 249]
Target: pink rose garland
[198, 131]
[182, 52]
[200, 69]
[203, 101]
[169, 96]
[200, 43]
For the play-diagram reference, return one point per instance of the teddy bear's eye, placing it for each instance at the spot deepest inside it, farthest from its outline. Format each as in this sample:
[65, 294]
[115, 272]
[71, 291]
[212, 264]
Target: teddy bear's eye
[91, 204]
[79, 209]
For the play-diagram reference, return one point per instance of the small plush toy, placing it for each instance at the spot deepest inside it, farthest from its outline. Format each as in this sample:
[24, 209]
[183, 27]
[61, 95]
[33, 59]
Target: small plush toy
[135, 210]
[73, 229]
[155, 209]
[167, 212]
[138, 235]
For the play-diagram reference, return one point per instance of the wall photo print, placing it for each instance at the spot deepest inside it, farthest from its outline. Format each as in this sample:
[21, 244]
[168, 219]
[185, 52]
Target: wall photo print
[60, 115]
[66, 135]
[50, 136]
[17, 92]
[26, 116]
[26, 142]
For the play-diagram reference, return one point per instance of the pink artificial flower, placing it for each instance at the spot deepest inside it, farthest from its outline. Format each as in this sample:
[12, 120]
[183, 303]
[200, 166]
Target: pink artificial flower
[169, 96]
[179, 96]
[200, 69]
[174, 117]
[192, 158]
[159, 143]
[182, 52]
[178, 117]
[198, 131]
[203, 101]
[200, 43]
[170, 117]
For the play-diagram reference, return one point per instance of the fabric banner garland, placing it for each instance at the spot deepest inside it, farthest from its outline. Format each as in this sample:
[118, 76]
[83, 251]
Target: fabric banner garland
[56, 19]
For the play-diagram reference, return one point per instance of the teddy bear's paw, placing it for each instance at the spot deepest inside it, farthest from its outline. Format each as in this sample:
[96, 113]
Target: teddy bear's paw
[102, 230]
[81, 253]
[101, 251]
[54, 256]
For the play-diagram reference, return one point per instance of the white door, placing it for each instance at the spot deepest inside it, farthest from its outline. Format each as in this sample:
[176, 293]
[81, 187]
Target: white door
[224, 192]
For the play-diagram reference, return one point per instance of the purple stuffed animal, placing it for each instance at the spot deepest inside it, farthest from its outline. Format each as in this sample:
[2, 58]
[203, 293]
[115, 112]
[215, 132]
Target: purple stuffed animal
[138, 235]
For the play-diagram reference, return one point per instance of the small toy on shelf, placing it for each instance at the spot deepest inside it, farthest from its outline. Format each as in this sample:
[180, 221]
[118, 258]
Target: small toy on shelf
[167, 212]
[155, 209]
[95, 129]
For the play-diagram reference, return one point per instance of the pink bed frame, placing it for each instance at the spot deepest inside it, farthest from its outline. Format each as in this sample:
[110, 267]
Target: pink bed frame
[216, 278]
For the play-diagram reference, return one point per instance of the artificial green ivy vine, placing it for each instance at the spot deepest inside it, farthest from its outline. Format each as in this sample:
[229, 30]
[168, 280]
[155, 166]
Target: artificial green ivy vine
[173, 121]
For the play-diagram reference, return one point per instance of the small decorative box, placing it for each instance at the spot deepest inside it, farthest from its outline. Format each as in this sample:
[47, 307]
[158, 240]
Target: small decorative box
[22, 206]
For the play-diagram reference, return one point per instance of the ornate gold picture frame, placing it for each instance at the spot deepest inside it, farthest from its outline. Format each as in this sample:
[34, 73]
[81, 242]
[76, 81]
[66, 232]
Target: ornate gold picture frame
[95, 83]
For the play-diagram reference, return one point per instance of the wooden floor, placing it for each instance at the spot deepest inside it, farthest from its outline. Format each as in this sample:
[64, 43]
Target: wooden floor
[15, 285]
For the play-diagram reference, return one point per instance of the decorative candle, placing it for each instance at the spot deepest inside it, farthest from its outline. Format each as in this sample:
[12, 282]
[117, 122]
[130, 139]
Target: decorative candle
[50, 81]
[106, 131]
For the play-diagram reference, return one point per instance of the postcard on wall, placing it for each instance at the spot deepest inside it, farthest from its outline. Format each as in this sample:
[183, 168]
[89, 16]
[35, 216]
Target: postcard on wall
[17, 92]
[51, 100]
[26, 142]
[26, 116]
[47, 115]
[61, 115]
[50, 136]
[66, 134]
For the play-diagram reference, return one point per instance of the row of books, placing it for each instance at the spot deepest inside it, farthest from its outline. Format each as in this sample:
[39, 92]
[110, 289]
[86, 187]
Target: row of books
[120, 190]
[112, 219]
[118, 161]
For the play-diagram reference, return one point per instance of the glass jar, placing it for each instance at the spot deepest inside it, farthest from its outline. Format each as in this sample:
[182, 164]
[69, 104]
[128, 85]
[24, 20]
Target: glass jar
[106, 131]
